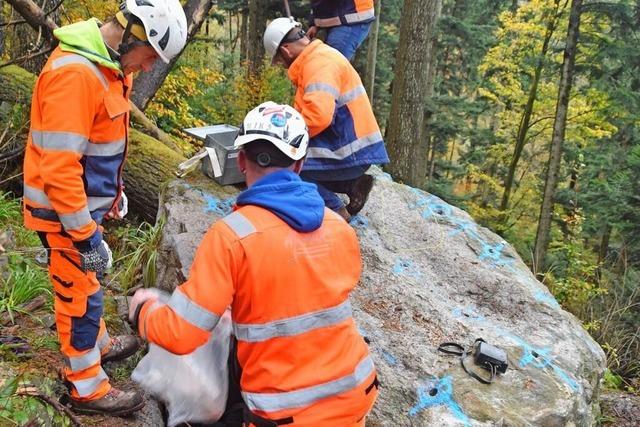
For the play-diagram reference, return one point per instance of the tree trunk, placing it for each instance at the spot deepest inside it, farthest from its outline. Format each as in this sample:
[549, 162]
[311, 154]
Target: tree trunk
[147, 84]
[523, 127]
[559, 127]
[256, 24]
[243, 35]
[404, 136]
[149, 163]
[372, 52]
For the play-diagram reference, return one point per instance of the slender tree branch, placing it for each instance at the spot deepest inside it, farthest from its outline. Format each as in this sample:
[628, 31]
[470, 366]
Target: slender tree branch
[24, 21]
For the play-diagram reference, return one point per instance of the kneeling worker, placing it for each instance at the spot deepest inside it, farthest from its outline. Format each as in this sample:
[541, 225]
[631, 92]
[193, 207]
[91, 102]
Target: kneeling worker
[286, 265]
[345, 137]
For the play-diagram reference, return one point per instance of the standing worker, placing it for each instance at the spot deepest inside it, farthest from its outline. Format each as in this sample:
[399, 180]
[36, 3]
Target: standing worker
[286, 265]
[73, 178]
[347, 23]
[345, 137]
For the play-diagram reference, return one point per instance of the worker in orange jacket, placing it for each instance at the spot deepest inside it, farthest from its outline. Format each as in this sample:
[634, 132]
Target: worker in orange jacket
[286, 266]
[345, 137]
[73, 178]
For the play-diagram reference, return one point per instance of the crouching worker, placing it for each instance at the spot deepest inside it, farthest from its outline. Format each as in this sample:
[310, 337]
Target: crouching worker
[286, 265]
[73, 178]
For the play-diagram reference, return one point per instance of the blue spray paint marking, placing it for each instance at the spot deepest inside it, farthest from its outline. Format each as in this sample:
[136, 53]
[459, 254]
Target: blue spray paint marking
[217, 206]
[359, 222]
[438, 392]
[388, 357]
[544, 297]
[406, 267]
[540, 358]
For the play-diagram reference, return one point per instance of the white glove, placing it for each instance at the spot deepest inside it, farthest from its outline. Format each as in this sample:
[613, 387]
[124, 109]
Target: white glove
[139, 298]
[125, 207]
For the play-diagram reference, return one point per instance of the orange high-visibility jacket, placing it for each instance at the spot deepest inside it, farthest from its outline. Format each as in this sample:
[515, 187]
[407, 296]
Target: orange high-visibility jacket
[331, 98]
[76, 145]
[298, 346]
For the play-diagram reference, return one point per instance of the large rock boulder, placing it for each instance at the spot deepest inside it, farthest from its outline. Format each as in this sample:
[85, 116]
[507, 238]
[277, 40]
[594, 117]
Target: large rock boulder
[431, 274]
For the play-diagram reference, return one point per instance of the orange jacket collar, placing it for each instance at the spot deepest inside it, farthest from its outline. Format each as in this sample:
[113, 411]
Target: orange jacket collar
[295, 70]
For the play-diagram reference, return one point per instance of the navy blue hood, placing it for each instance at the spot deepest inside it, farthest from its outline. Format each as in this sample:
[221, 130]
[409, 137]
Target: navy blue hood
[284, 194]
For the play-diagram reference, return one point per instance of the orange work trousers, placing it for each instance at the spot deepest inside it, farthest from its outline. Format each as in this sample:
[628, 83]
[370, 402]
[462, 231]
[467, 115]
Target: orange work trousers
[78, 312]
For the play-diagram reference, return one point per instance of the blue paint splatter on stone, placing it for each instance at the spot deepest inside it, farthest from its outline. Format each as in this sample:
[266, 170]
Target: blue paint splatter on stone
[359, 222]
[546, 298]
[218, 206]
[388, 357]
[438, 392]
[406, 267]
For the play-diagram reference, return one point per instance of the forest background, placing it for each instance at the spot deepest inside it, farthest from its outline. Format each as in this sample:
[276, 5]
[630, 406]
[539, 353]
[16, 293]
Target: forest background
[524, 113]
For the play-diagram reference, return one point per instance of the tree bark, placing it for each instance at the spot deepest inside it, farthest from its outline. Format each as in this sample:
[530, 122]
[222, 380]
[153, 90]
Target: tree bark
[148, 167]
[147, 84]
[256, 25]
[559, 127]
[523, 127]
[404, 136]
[372, 53]
[243, 35]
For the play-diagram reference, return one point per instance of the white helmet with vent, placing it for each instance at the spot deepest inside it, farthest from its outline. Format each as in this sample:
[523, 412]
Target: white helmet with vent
[279, 124]
[164, 22]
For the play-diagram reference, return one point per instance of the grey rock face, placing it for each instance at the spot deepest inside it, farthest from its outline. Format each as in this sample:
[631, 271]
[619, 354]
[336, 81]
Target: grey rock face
[431, 274]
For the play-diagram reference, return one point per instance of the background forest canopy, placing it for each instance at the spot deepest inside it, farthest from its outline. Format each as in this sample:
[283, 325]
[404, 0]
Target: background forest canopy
[494, 76]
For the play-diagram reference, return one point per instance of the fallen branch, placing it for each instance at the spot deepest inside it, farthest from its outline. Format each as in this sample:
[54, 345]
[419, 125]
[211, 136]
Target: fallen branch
[27, 307]
[51, 401]
[23, 21]
[36, 18]
[151, 128]
[27, 57]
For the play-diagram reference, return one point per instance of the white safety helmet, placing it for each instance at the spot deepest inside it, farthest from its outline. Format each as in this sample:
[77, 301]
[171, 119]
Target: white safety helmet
[164, 22]
[279, 124]
[276, 31]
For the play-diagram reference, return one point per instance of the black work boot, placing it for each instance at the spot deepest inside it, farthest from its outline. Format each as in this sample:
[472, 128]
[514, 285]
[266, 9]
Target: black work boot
[122, 347]
[116, 403]
[359, 194]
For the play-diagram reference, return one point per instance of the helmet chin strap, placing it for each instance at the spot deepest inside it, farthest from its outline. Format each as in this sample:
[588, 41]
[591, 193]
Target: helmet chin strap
[124, 47]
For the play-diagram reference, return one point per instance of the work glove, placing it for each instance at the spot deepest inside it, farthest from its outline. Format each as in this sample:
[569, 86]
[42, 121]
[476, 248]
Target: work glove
[95, 254]
[121, 209]
[137, 301]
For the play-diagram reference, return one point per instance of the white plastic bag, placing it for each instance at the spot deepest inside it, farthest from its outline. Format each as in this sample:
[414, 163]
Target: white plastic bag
[194, 386]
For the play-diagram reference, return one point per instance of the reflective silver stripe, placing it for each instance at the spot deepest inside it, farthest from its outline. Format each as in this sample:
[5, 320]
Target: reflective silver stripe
[271, 402]
[105, 148]
[351, 95]
[293, 325]
[89, 386]
[69, 141]
[59, 141]
[96, 203]
[327, 22]
[79, 59]
[343, 152]
[239, 224]
[103, 341]
[36, 195]
[75, 220]
[198, 316]
[360, 16]
[79, 363]
[322, 87]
